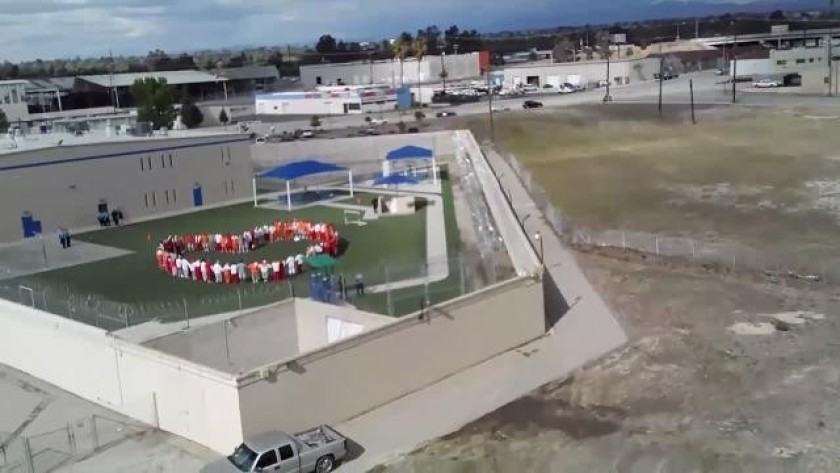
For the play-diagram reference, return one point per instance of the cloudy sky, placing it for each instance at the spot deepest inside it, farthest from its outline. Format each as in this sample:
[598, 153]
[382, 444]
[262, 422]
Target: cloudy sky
[32, 29]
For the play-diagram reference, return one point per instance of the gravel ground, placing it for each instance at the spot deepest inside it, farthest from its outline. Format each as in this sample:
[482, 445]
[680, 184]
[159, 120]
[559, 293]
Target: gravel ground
[692, 391]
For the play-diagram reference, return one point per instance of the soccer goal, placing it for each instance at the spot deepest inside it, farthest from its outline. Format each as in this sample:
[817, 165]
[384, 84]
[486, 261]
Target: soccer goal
[353, 217]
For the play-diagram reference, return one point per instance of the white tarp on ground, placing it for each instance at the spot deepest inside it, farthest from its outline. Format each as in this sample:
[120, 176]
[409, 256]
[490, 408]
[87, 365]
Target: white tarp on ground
[338, 329]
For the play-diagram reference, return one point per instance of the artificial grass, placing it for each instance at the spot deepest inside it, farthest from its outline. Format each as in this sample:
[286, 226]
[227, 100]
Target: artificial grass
[135, 279]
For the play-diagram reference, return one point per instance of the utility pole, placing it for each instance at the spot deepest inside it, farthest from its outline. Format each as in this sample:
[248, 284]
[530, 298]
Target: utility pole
[734, 62]
[115, 99]
[370, 63]
[490, 87]
[661, 81]
[831, 48]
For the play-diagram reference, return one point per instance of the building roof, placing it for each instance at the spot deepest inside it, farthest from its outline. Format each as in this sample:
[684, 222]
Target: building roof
[13, 82]
[249, 72]
[50, 84]
[172, 78]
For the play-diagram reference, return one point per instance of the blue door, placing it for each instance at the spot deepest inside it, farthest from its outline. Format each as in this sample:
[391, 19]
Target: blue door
[198, 197]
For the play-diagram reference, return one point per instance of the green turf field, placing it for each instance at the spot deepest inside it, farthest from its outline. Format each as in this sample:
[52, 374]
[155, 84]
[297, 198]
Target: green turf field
[398, 243]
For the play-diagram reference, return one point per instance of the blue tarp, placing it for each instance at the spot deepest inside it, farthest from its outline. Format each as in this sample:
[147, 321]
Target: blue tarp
[395, 180]
[291, 171]
[409, 152]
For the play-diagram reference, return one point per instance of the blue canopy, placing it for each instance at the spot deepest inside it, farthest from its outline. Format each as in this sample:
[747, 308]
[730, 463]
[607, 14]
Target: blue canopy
[409, 152]
[395, 180]
[291, 171]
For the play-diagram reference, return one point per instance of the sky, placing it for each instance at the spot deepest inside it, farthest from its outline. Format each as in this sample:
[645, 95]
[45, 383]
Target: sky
[47, 29]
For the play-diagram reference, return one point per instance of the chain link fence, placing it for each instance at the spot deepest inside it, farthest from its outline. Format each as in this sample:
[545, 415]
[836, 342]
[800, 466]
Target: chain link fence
[50, 450]
[726, 253]
[389, 286]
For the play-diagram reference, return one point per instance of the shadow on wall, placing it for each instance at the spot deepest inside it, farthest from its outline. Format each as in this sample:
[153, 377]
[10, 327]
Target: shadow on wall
[556, 305]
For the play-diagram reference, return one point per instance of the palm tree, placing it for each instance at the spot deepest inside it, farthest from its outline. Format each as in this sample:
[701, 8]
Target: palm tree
[420, 48]
[401, 48]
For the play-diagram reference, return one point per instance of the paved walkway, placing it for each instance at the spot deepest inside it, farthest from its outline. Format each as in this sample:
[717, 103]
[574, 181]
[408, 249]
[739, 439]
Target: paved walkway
[584, 333]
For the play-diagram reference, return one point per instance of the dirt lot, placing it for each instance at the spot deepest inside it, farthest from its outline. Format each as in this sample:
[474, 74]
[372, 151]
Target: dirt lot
[765, 178]
[725, 371]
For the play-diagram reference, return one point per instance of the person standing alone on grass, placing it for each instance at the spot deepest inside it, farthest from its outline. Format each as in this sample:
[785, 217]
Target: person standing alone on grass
[360, 284]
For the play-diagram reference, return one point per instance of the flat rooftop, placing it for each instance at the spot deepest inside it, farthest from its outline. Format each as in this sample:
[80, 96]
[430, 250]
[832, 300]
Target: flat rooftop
[247, 341]
[35, 141]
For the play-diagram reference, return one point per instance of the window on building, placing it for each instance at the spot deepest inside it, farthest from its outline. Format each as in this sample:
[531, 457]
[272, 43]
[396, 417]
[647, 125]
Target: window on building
[319, 81]
[286, 452]
[142, 165]
[14, 95]
[154, 200]
[6, 97]
[811, 59]
[146, 199]
[781, 62]
[174, 197]
[226, 187]
[800, 61]
[162, 162]
[166, 193]
[149, 162]
[354, 106]
[267, 459]
[232, 187]
[170, 159]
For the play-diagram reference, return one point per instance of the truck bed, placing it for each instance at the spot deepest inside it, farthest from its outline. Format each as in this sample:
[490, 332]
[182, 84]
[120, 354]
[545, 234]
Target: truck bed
[319, 437]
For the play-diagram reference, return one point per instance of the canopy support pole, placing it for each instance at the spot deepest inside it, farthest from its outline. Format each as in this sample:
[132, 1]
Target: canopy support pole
[254, 183]
[288, 196]
[434, 171]
[350, 180]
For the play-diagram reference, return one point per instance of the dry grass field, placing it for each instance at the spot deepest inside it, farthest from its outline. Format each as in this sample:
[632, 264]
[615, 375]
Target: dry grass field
[765, 178]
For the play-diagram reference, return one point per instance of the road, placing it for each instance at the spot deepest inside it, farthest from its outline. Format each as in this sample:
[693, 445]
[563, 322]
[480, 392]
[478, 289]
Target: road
[707, 90]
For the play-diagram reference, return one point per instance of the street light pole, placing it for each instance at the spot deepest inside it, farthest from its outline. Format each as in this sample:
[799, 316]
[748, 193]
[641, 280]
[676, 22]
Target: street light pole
[490, 88]
[734, 62]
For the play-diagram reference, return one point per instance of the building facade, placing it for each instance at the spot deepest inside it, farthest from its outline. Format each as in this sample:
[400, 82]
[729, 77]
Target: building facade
[579, 73]
[335, 100]
[64, 185]
[394, 73]
[13, 100]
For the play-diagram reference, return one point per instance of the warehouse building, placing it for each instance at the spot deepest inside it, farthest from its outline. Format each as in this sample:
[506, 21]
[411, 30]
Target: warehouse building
[391, 72]
[335, 100]
[578, 73]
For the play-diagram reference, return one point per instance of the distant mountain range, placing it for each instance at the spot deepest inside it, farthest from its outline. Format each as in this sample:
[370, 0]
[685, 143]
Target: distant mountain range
[611, 11]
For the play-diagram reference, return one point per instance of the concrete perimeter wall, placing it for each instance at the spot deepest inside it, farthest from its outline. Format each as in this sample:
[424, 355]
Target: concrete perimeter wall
[177, 396]
[364, 154]
[353, 376]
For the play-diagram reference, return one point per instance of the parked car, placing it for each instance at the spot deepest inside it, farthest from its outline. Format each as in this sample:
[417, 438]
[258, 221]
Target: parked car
[547, 86]
[317, 450]
[307, 134]
[766, 84]
[500, 108]
[446, 113]
[567, 88]
[531, 104]
[414, 129]
[378, 121]
[601, 83]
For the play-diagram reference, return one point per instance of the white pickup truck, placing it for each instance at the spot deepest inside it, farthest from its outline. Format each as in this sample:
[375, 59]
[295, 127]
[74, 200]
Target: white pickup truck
[318, 450]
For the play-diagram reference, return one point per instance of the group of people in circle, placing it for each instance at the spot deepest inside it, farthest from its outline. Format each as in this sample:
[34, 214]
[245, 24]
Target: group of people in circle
[172, 253]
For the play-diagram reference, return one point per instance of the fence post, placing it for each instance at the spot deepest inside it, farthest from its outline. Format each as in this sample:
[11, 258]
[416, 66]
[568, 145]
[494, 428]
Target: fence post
[94, 432]
[426, 282]
[186, 313]
[27, 454]
[388, 292]
[462, 270]
[239, 294]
